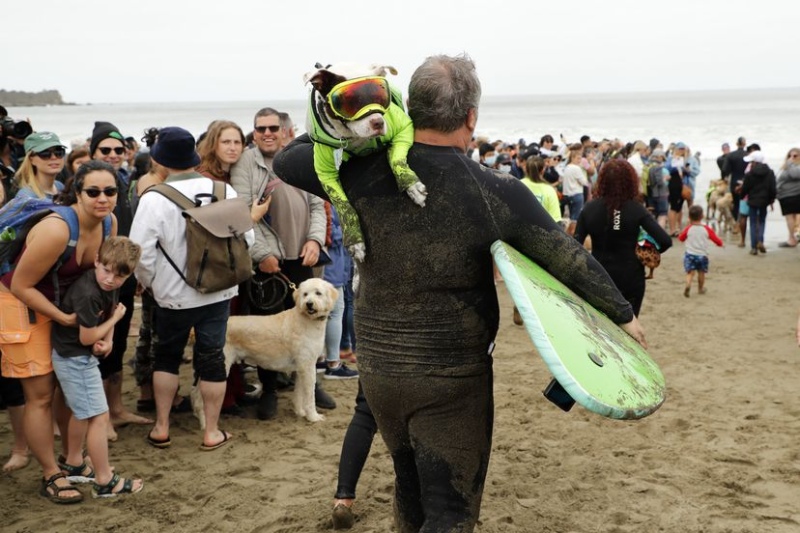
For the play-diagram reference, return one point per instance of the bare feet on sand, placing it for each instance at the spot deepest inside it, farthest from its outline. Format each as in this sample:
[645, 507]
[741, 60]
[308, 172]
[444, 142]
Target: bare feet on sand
[126, 417]
[19, 459]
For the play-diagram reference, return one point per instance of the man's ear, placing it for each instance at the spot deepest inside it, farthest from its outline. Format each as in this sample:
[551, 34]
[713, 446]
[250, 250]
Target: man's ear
[472, 119]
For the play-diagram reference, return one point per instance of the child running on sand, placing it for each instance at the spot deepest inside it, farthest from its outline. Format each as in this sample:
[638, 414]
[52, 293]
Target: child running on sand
[695, 259]
[94, 298]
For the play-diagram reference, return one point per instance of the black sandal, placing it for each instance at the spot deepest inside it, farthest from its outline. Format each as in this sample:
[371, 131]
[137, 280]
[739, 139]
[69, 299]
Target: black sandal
[49, 485]
[76, 474]
[107, 490]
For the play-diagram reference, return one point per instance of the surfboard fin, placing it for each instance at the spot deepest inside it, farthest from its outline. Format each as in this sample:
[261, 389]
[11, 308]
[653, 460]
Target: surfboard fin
[558, 395]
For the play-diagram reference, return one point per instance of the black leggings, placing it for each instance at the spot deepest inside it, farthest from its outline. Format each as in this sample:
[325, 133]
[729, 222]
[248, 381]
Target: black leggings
[11, 391]
[355, 447]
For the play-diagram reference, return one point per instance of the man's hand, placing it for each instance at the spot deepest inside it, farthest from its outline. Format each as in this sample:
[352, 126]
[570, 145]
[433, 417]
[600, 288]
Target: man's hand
[634, 329]
[310, 253]
[269, 265]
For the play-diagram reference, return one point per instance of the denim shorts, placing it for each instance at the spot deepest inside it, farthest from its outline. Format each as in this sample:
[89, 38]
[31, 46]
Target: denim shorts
[575, 203]
[80, 380]
[695, 263]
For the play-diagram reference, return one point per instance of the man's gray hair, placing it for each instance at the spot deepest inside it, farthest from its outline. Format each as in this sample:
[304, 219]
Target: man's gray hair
[442, 91]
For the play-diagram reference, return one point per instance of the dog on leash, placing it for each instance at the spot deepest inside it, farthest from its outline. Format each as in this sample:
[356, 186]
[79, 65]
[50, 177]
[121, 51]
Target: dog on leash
[354, 111]
[717, 190]
[290, 341]
[725, 218]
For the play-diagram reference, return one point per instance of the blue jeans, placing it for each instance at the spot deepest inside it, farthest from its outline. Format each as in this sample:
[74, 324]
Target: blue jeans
[171, 328]
[758, 219]
[333, 329]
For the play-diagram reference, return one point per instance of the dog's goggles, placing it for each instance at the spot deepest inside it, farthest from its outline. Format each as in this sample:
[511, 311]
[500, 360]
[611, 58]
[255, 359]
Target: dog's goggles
[352, 99]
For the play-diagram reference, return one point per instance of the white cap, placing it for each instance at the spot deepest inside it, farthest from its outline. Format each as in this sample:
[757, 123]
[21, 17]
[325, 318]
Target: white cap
[756, 156]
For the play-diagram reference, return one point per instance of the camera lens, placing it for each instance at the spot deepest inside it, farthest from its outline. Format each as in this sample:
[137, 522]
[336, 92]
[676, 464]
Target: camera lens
[21, 130]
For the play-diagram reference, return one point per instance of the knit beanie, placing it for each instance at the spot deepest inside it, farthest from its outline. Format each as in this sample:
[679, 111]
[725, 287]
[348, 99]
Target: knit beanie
[103, 130]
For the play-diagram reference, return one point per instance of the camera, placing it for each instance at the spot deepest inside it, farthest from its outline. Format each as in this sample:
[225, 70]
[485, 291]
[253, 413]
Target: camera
[18, 130]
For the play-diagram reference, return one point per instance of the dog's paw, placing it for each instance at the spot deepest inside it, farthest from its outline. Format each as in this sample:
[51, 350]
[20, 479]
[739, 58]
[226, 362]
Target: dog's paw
[315, 417]
[418, 192]
[358, 251]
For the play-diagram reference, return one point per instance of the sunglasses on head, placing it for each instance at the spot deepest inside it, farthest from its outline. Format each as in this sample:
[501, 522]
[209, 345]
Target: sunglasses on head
[352, 99]
[95, 192]
[58, 152]
[105, 150]
[262, 129]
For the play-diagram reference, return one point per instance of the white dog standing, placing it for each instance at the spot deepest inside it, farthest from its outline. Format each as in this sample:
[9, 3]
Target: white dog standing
[289, 341]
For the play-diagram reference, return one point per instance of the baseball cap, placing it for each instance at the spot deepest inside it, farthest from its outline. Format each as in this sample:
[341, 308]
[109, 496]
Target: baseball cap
[40, 141]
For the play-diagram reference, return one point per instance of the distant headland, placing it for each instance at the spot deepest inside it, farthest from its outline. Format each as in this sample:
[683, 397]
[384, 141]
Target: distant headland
[23, 98]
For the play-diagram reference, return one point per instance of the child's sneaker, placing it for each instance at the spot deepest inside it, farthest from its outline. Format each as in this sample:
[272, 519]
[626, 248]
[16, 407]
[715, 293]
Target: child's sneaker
[340, 372]
[322, 366]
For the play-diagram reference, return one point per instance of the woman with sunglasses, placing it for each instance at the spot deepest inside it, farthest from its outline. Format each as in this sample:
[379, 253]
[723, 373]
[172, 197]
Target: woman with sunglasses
[27, 295]
[44, 160]
[789, 195]
[108, 144]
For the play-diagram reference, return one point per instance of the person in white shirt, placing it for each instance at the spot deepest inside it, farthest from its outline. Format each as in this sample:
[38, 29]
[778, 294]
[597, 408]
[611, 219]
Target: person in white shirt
[573, 180]
[180, 307]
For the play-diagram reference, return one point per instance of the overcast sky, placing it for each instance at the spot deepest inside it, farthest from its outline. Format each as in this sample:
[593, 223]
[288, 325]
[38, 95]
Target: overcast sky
[226, 50]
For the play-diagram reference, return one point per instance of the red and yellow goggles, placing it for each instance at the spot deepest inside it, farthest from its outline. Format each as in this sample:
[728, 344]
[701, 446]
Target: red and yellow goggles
[352, 99]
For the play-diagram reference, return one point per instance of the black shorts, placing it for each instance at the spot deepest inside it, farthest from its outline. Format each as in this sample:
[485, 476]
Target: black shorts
[790, 205]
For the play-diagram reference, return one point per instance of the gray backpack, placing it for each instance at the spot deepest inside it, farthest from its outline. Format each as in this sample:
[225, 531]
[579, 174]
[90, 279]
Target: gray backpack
[216, 251]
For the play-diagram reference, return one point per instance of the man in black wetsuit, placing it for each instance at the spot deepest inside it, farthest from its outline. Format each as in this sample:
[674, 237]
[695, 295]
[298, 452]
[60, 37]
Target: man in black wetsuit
[426, 310]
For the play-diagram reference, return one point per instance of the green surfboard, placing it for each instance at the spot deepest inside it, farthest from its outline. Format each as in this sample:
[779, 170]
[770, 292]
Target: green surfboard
[593, 361]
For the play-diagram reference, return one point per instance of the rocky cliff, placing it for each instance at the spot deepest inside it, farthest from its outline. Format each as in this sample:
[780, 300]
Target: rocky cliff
[22, 98]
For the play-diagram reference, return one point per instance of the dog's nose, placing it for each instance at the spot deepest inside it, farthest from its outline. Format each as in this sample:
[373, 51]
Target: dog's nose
[376, 123]
[310, 305]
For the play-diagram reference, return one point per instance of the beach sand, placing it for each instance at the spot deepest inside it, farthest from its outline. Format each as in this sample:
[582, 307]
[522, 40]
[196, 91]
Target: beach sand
[721, 455]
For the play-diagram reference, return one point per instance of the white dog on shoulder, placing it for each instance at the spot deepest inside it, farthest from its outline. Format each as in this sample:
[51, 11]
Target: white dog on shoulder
[288, 341]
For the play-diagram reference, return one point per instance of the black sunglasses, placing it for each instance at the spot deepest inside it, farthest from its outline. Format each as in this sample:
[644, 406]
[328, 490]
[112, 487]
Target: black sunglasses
[48, 154]
[105, 150]
[94, 192]
[273, 129]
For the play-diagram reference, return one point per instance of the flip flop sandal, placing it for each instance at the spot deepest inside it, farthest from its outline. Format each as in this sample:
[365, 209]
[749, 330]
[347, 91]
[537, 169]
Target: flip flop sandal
[52, 492]
[158, 443]
[226, 438]
[107, 490]
[82, 473]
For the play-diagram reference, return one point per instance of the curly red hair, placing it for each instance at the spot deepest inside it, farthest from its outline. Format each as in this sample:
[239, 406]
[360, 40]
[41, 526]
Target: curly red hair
[618, 183]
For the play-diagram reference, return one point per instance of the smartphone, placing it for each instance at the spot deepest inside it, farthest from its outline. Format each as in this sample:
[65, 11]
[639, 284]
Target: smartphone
[269, 189]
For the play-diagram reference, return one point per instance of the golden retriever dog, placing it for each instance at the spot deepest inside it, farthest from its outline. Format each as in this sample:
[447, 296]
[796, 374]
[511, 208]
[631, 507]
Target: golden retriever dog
[724, 213]
[290, 341]
[717, 190]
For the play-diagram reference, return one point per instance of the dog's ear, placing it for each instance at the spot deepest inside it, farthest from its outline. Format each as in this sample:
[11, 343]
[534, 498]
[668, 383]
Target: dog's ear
[334, 292]
[382, 70]
[322, 80]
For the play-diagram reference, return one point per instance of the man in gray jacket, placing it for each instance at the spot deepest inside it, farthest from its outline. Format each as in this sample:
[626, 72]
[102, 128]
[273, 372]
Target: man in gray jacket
[289, 239]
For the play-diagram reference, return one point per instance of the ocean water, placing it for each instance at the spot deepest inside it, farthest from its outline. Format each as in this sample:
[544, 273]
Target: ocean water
[701, 119]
